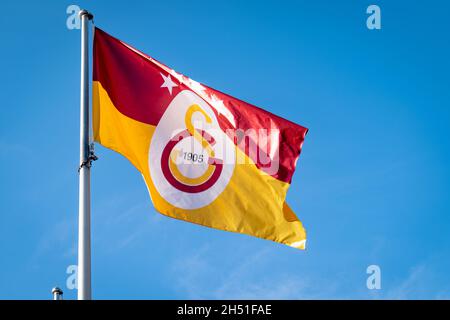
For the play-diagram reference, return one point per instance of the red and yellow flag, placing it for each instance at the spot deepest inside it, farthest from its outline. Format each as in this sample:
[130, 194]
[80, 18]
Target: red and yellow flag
[205, 156]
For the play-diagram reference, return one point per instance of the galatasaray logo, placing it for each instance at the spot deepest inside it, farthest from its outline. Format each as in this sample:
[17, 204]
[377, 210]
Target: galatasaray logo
[191, 159]
[171, 155]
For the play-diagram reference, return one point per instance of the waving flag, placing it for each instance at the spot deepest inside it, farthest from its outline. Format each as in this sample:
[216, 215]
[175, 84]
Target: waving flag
[205, 156]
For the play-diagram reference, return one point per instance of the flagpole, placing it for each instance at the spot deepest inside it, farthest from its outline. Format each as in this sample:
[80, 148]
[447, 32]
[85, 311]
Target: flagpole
[84, 204]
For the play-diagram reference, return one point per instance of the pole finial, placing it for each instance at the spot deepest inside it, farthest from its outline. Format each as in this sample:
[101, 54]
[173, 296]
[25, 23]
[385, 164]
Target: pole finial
[83, 12]
[57, 293]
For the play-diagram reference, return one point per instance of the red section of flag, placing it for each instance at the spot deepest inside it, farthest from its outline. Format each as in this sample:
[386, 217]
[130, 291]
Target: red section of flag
[248, 117]
[133, 81]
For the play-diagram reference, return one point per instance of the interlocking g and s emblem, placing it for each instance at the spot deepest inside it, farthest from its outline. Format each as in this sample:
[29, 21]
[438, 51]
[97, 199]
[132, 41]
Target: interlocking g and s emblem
[191, 159]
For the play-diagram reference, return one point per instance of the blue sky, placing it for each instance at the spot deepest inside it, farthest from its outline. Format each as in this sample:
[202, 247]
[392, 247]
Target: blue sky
[372, 182]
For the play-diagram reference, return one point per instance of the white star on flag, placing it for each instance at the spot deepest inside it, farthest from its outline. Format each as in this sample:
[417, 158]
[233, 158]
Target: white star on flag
[220, 107]
[196, 86]
[177, 76]
[168, 83]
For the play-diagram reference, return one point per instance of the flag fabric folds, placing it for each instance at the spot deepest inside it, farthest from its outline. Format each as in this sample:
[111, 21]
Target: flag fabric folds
[206, 157]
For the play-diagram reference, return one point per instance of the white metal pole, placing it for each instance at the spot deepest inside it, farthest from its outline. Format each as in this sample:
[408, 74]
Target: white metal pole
[84, 205]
